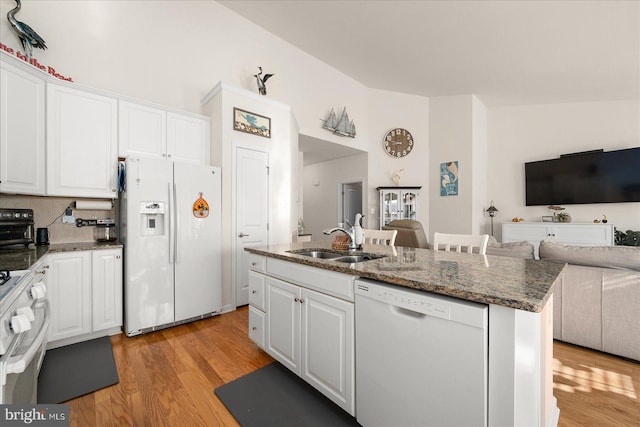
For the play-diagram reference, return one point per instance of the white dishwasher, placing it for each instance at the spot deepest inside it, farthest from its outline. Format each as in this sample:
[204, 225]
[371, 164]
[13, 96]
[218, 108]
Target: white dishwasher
[421, 358]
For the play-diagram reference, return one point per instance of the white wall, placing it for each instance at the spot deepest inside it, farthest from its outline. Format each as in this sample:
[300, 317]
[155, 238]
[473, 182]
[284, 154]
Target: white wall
[479, 203]
[522, 134]
[389, 110]
[450, 134]
[282, 149]
[321, 200]
[174, 52]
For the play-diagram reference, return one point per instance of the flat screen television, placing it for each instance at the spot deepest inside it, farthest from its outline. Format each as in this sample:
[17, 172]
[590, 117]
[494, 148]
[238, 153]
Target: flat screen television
[590, 177]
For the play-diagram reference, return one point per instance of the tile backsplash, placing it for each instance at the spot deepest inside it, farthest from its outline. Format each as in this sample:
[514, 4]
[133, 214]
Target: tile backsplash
[46, 211]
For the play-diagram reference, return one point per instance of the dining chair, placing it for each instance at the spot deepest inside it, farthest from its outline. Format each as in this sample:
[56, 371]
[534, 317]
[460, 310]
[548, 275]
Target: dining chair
[380, 237]
[460, 242]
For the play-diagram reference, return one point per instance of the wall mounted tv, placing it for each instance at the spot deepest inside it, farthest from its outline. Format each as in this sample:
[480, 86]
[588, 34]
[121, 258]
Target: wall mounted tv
[589, 177]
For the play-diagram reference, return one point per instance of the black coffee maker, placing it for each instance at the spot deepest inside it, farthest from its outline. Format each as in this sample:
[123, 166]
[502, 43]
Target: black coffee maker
[42, 236]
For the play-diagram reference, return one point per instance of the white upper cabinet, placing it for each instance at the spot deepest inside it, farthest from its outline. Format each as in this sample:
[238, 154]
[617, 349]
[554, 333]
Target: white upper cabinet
[141, 130]
[188, 138]
[22, 131]
[152, 132]
[81, 143]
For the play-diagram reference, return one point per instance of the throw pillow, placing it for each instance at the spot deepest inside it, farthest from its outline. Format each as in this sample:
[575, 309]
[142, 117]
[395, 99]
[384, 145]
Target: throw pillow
[510, 249]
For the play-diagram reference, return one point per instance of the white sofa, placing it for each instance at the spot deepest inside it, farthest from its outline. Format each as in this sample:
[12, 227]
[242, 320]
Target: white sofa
[597, 301]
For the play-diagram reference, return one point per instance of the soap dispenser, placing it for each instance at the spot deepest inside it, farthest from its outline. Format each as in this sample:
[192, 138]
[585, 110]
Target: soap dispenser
[358, 232]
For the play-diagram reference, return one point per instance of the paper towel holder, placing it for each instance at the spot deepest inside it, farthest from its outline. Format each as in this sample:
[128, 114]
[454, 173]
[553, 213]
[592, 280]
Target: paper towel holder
[96, 205]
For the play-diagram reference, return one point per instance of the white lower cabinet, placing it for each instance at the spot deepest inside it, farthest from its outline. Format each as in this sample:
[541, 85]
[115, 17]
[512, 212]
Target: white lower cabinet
[69, 294]
[257, 304]
[308, 331]
[313, 335]
[85, 294]
[106, 286]
[256, 326]
[328, 347]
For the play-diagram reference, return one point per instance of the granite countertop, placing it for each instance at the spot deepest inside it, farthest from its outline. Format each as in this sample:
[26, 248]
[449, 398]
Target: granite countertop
[16, 258]
[523, 284]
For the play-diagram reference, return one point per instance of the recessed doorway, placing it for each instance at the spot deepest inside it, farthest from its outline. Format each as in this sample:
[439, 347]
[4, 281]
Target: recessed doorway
[350, 201]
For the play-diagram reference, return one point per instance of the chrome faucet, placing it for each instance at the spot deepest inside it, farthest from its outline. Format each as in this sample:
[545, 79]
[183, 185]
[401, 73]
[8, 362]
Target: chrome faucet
[352, 240]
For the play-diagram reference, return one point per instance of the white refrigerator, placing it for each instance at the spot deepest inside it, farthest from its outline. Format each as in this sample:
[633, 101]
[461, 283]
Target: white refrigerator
[170, 227]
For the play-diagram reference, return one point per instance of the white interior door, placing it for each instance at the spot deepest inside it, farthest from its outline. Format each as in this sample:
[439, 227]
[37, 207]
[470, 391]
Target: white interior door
[252, 213]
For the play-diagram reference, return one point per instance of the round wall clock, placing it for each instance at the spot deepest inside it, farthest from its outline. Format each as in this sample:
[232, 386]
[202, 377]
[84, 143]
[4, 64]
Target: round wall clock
[398, 142]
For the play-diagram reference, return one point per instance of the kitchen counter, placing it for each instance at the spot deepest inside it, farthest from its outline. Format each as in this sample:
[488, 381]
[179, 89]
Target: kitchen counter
[523, 284]
[21, 258]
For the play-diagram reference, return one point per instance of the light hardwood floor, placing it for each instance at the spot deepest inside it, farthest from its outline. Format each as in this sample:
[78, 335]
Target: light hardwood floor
[167, 378]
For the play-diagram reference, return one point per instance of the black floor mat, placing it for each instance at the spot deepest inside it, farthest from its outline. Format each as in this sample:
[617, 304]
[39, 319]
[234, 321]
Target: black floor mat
[274, 396]
[77, 369]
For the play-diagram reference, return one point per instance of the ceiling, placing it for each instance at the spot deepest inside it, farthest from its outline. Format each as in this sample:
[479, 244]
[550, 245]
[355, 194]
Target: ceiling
[504, 52]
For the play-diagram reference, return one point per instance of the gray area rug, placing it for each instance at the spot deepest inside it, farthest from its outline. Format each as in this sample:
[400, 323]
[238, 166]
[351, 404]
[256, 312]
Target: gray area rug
[274, 396]
[75, 370]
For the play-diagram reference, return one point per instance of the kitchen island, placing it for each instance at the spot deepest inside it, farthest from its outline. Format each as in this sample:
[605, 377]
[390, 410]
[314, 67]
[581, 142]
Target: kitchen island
[517, 293]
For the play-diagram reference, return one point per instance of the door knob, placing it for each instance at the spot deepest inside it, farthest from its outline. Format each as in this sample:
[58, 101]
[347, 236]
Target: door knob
[242, 235]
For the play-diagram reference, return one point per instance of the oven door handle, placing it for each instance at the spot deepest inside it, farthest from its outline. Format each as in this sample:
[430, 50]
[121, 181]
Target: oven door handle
[17, 364]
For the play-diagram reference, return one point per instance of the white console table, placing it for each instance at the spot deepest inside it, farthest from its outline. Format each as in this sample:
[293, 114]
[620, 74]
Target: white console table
[581, 234]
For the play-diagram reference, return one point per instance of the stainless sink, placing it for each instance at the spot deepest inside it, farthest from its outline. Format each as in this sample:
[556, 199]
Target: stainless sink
[356, 258]
[319, 254]
[335, 256]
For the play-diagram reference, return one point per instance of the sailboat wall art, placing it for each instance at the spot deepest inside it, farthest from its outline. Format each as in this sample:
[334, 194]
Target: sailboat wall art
[341, 126]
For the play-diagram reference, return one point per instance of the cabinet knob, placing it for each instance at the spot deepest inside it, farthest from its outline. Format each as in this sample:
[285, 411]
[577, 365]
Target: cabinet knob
[117, 256]
[253, 264]
[168, 155]
[296, 299]
[301, 300]
[253, 328]
[253, 291]
[113, 190]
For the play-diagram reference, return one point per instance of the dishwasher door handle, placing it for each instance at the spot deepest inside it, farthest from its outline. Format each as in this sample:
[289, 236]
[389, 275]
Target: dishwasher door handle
[405, 312]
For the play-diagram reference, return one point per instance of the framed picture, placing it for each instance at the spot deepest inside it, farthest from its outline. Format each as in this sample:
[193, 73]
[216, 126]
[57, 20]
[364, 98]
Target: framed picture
[547, 218]
[255, 124]
[449, 178]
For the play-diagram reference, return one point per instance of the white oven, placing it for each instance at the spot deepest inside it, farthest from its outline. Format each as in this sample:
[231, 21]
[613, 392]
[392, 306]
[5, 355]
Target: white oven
[24, 320]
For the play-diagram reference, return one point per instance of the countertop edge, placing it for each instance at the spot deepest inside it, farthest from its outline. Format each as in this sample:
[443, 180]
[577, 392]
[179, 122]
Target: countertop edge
[469, 295]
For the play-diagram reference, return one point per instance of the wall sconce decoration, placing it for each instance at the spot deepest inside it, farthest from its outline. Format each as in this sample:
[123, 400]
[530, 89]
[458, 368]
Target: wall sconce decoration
[492, 213]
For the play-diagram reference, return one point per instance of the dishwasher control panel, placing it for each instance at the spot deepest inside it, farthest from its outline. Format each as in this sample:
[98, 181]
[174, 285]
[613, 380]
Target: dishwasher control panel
[404, 300]
[409, 300]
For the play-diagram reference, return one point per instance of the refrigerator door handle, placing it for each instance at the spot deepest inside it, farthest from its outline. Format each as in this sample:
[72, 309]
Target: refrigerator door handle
[171, 225]
[175, 224]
